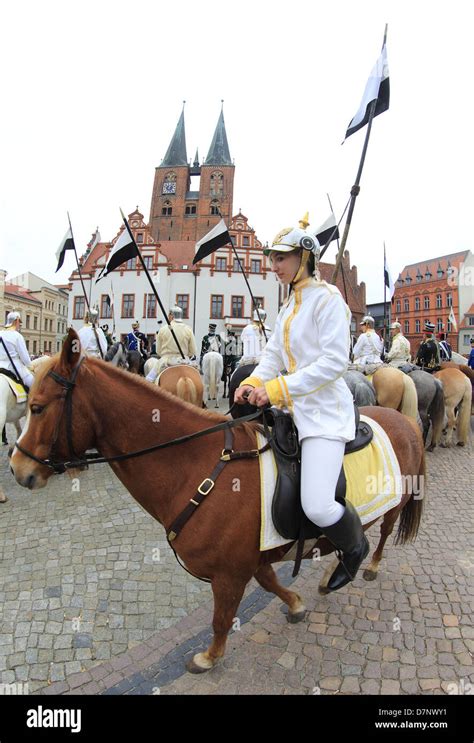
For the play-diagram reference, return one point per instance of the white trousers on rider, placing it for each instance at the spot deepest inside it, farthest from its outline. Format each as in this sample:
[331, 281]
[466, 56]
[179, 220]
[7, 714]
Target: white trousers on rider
[321, 461]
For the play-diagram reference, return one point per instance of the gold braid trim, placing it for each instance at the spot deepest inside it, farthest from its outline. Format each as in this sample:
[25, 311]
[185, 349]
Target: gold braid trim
[253, 381]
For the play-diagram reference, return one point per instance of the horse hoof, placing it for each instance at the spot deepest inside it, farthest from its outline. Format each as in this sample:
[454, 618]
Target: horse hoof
[323, 590]
[369, 574]
[199, 664]
[297, 616]
[460, 443]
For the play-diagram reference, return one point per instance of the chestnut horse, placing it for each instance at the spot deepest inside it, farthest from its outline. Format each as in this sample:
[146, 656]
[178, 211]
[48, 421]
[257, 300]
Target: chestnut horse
[457, 394]
[222, 541]
[394, 389]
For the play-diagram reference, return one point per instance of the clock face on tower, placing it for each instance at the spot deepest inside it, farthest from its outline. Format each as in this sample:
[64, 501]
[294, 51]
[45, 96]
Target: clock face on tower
[169, 187]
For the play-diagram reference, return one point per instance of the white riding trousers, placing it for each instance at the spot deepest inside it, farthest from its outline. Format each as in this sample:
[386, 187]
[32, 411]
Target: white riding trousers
[321, 461]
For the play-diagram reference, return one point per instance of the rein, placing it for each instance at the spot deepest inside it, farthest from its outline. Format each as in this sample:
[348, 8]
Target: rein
[59, 467]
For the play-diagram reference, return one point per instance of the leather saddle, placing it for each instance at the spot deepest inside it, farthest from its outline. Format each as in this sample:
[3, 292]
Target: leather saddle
[288, 516]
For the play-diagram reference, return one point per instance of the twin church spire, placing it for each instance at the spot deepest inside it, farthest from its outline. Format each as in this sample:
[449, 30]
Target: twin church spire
[218, 154]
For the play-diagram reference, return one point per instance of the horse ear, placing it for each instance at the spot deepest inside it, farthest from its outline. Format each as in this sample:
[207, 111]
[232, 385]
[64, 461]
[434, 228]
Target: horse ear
[71, 350]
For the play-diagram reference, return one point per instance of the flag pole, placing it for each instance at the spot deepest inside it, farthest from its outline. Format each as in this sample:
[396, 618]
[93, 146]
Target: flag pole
[384, 296]
[356, 187]
[147, 274]
[337, 240]
[248, 285]
[77, 263]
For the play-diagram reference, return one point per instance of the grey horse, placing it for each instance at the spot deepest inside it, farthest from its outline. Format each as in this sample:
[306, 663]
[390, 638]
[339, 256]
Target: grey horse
[117, 355]
[430, 405]
[361, 389]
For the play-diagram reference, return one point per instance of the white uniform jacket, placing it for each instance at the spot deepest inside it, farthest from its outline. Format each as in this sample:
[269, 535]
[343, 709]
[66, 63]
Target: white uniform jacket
[368, 348]
[311, 342]
[89, 342]
[16, 346]
[399, 352]
[253, 343]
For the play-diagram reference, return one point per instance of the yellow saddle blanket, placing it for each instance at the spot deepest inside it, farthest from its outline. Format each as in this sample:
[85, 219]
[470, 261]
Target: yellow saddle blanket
[374, 483]
[17, 389]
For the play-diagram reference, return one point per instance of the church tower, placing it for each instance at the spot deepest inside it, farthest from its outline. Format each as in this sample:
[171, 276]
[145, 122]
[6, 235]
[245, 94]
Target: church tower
[180, 214]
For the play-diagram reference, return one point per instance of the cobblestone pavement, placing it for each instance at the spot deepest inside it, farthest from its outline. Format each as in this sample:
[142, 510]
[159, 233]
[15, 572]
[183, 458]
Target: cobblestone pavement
[93, 601]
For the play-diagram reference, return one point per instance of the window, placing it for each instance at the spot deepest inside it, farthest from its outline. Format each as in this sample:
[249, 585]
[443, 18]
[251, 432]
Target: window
[419, 276]
[217, 184]
[407, 279]
[105, 308]
[466, 339]
[417, 303]
[27, 344]
[449, 328]
[439, 325]
[35, 346]
[27, 321]
[449, 299]
[79, 307]
[417, 326]
[245, 241]
[46, 324]
[131, 264]
[148, 261]
[428, 274]
[398, 306]
[237, 306]
[439, 301]
[57, 346]
[215, 207]
[35, 319]
[182, 300]
[406, 326]
[221, 264]
[406, 305]
[190, 209]
[167, 209]
[150, 305]
[439, 272]
[255, 266]
[217, 301]
[140, 237]
[128, 305]
[471, 320]
[426, 303]
[235, 265]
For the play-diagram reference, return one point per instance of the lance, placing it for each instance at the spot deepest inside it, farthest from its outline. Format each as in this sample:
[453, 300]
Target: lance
[84, 290]
[356, 187]
[147, 274]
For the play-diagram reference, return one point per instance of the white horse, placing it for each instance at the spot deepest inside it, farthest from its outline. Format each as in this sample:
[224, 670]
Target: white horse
[212, 368]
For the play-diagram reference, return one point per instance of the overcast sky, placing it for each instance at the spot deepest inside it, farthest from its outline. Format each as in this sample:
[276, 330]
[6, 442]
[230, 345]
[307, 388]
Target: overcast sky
[92, 92]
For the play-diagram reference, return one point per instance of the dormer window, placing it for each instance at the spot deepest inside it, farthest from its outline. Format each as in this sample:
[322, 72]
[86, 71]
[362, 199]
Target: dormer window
[428, 274]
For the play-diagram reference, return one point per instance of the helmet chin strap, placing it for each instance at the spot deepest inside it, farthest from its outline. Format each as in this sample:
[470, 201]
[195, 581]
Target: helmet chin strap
[303, 261]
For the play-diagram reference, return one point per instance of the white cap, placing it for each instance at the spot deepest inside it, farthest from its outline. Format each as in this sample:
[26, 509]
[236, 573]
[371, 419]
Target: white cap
[12, 317]
[394, 325]
[366, 319]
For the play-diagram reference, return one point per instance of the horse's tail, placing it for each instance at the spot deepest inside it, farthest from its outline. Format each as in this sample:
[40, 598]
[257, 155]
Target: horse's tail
[463, 423]
[437, 412]
[409, 404]
[186, 390]
[212, 377]
[412, 510]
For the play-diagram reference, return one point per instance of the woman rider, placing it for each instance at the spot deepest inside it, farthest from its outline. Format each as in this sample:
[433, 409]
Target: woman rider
[311, 341]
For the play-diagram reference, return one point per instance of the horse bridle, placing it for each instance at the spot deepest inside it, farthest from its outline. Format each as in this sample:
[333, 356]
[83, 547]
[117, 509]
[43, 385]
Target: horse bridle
[66, 397]
[95, 458]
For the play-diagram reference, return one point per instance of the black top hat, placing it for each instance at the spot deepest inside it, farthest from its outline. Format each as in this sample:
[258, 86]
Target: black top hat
[212, 325]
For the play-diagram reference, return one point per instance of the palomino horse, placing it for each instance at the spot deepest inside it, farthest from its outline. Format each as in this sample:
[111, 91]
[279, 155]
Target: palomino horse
[431, 407]
[222, 542]
[465, 369]
[182, 380]
[457, 394]
[10, 412]
[212, 368]
[394, 389]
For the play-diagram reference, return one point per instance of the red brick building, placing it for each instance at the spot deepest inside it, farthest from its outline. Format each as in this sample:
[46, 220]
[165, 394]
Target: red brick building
[427, 290]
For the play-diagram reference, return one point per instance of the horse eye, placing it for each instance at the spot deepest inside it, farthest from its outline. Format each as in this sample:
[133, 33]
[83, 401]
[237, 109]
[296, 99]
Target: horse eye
[36, 409]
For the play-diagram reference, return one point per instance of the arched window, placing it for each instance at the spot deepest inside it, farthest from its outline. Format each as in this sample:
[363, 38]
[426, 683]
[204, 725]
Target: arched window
[438, 301]
[215, 207]
[417, 303]
[217, 183]
[167, 209]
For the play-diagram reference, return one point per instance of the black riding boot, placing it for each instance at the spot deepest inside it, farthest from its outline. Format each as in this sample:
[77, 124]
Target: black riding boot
[347, 535]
